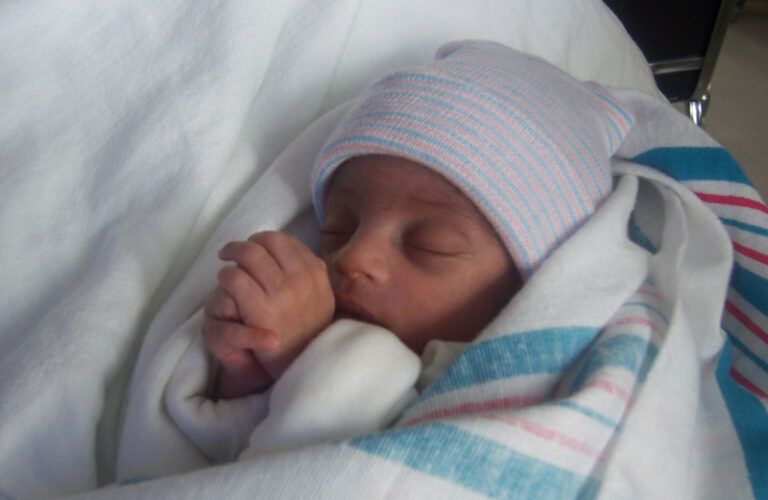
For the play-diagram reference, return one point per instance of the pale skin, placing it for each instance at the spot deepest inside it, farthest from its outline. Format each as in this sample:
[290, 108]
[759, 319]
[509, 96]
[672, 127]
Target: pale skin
[414, 256]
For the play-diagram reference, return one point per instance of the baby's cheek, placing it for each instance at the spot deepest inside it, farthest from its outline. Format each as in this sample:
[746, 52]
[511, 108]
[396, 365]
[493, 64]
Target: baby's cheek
[428, 315]
[327, 259]
[460, 311]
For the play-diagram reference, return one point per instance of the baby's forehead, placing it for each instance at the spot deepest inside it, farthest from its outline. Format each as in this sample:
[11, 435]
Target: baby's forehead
[394, 178]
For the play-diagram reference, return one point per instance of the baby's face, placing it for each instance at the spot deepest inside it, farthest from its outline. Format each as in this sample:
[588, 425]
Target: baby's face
[407, 251]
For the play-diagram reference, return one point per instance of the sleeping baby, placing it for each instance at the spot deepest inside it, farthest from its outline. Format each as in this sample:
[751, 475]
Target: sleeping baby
[438, 195]
[413, 256]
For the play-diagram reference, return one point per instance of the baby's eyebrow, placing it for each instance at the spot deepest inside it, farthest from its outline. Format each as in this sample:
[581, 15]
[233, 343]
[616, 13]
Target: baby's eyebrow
[448, 197]
[438, 195]
[458, 203]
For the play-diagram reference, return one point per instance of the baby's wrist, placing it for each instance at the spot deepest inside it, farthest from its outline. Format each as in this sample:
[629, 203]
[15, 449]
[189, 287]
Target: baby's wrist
[276, 362]
[232, 386]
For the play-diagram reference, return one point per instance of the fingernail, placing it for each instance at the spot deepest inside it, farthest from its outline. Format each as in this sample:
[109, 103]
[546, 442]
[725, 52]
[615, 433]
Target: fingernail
[271, 341]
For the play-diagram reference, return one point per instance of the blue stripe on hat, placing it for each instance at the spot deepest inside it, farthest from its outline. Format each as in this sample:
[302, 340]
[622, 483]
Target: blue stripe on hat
[561, 173]
[503, 124]
[573, 132]
[628, 119]
[459, 138]
[502, 107]
[515, 116]
[509, 233]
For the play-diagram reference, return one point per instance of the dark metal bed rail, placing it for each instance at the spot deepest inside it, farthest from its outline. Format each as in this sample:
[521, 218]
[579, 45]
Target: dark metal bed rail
[681, 40]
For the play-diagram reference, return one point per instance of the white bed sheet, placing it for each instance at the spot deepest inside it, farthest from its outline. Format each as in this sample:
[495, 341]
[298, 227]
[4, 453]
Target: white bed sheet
[130, 128]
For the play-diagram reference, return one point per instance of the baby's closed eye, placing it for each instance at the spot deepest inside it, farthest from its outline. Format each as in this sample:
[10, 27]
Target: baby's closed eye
[339, 226]
[439, 240]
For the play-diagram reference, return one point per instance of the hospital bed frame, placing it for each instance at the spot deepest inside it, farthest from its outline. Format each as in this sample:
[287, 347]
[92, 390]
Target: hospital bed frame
[681, 40]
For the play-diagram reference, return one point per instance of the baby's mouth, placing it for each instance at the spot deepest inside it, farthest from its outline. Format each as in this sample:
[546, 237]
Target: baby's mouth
[342, 314]
[348, 309]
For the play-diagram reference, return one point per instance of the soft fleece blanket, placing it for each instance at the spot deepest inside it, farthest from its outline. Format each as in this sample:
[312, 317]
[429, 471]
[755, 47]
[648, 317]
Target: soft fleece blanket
[130, 128]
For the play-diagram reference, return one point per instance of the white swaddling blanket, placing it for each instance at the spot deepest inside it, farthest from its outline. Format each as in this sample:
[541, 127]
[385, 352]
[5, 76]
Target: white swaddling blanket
[130, 128]
[607, 375]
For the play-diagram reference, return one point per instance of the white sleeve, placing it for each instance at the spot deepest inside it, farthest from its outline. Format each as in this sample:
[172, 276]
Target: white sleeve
[353, 379]
[220, 429]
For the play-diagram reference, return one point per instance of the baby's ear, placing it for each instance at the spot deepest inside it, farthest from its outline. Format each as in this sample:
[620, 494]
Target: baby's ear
[615, 120]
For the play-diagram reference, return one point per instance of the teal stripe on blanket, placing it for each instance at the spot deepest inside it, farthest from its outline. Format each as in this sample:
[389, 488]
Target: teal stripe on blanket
[630, 352]
[476, 463]
[743, 349]
[751, 422]
[589, 412]
[694, 164]
[638, 236]
[550, 350]
[745, 227]
[751, 286]
[656, 311]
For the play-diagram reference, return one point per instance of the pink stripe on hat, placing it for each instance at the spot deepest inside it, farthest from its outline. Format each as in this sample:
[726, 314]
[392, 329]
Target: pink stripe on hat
[526, 142]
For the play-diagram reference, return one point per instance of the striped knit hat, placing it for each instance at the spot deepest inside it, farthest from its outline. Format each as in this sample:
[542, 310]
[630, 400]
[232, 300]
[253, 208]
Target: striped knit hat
[526, 142]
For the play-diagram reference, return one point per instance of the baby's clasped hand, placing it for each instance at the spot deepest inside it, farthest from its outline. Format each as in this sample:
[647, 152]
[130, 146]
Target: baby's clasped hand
[267, 308]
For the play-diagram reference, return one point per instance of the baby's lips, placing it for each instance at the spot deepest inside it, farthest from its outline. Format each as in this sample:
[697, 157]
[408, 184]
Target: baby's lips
[341, 314]
[349, 309]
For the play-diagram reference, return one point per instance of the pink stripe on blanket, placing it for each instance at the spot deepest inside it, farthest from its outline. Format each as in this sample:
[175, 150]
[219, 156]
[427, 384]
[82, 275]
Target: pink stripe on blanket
[636, 321]
[650, 293]
[745, 320]
[747, 384]
[472, 408]
[548, 434]
[610, 388]
[736, 201]
[751, 253]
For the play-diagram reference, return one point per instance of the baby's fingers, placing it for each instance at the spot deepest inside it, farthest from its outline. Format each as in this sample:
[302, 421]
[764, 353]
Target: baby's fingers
[243, 288]
[256, 261]
[225, 338]
[291, 254]
[222, 306]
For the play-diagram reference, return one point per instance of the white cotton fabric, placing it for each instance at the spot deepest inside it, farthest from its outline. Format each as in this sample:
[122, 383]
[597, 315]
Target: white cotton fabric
[670, 419]
[353, 379]
[131, 128]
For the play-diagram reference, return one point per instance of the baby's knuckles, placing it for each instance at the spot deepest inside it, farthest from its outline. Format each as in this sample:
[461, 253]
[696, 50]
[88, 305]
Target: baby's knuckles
[299, 313]
[275, 242]
[234, 280]
[301, 306]
[305, 301]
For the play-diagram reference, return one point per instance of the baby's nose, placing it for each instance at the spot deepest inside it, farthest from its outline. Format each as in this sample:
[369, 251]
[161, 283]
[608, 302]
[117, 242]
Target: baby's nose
[363, 257]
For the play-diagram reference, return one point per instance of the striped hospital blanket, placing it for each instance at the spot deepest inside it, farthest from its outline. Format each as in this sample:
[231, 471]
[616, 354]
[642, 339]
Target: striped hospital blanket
[633, 364]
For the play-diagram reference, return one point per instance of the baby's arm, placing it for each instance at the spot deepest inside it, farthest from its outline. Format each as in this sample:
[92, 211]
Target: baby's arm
[268, 307]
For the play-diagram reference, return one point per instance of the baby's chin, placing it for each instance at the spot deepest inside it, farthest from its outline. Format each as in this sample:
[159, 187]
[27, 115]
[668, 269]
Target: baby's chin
[413, 340]
[348, 315]
[356, 316]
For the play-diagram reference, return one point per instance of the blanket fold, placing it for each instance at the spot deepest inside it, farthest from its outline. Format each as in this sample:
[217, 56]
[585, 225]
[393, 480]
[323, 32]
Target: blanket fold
[132, 128]
[603, 377]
